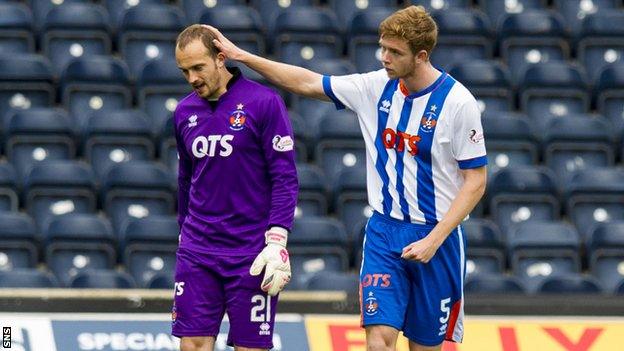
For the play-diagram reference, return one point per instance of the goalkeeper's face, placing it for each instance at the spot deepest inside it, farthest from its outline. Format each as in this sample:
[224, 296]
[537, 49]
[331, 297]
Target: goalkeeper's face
[201, 70]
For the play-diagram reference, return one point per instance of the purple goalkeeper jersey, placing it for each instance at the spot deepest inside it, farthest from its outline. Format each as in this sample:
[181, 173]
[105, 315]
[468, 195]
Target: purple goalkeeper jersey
[237, 171]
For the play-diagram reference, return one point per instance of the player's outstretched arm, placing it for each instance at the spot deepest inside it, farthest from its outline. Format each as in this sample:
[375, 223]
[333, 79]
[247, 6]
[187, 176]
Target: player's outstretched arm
[295, 79]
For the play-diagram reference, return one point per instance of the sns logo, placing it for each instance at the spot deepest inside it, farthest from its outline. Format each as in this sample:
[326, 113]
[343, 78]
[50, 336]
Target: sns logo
[398, 141]
[203, 146]
[385, 106]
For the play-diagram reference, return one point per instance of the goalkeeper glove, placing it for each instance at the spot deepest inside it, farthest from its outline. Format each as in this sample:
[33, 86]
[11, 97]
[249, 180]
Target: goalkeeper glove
[275, 257]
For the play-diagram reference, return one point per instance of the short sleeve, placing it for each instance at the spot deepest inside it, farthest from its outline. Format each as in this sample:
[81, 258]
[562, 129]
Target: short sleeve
[468, 142]
[354, 91]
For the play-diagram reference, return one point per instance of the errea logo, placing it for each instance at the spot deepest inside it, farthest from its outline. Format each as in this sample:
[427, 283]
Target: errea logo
[192, 121]
[385, 106]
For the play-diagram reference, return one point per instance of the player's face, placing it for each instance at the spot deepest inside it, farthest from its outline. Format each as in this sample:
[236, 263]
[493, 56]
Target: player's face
[200, 70]
[396, 57]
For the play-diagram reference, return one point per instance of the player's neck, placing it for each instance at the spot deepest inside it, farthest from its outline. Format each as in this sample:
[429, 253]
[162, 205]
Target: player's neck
[224, 78]
[421, 78]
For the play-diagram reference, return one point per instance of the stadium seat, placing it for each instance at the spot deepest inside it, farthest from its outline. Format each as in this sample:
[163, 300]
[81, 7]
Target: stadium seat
[41, 8]
[363, 38]
[115, 137]
[102, 279]
[58, 187]
[76, 242]
[605, 248]
[301, 136]
[542, 249]
[149, 247]
[497, 9]
[270, 9]
[26, 81]
[118, 8]
[16, 25]
[27, 278]
[609, 94]
[463, 35]
[304, 266]
[9, 199]
[511, 140]
[485, 253]
[331, 67]
[577, 142]
[167, 148]
[351, 200]
[346, 9]
[18, 241]
[75, 30]
[489, 81]
[569, 284]
[532, 37]
[148, 32]
[441, 5]
[162, 281]
[95, 83]
[334, 281]
[137, 189]
[518, 195]
[493, 284]
[247, 31]
[37, 135]
[306, 33]
[594, 196]
[193, 9]
[311, 112]
[312, 198]
[319, 236]
[601, 41]
[574, 11]
[340, 144]
[553, 88]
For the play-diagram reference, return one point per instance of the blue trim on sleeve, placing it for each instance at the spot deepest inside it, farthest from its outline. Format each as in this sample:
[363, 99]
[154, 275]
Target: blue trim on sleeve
[473, 162]
[330, 94]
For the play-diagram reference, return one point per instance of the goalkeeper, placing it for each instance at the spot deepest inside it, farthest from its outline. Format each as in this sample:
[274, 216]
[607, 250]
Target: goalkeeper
[236, 201]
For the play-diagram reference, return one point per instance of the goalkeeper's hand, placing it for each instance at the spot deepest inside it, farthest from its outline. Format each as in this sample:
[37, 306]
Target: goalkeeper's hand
[275, 257]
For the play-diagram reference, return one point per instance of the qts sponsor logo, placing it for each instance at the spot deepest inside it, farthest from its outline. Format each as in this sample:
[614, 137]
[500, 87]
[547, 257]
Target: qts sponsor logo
[400, 141]
[376, 279]
[207, 146]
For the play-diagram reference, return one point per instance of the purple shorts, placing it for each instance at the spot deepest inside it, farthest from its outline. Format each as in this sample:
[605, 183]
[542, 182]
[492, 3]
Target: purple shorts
[207, 286]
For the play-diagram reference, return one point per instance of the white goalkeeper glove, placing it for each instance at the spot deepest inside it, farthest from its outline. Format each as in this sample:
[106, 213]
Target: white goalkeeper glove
[275, 257]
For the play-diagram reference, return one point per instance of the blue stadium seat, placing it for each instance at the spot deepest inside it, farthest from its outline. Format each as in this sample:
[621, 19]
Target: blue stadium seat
[577, 142]
[306, 33]
[441, 5]
[319, 236]
[609, 94]
[511, 140]
[601, 41]
[532, 37]
[497, 9]
[9, 199]
[312, 198]
[340, 143]
[489, 81]
[37, 135]
[553, 88]
[247, 31]
[193, 9]
[605, 248]
[347, 9]
[16, 25]
[137, 189]
[363, 38]
[149, 247]
[161, 281]
[463, 35]
[493, 284]
[311, 112]
[115, 137]
[522, 194]
[350, 198]
[569, 284]
[594, 196]
[167, 148]
[542, 249]
[304, 266]
[27, 278]
[41, 8]
[148, 32]
[95, 83]
[19, 242]
[574, 11]
[485, 254]
[331, 67]
[334, 281]
[75, 30]
[301, 136]
[270, 9]
[102, 279]
[58, 187]
[26, 81]
[118, 8]
[76, 242]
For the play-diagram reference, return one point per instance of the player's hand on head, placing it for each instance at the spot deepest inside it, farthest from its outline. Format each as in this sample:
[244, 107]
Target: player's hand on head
[420, 251]
[224, 45]
[275, 261]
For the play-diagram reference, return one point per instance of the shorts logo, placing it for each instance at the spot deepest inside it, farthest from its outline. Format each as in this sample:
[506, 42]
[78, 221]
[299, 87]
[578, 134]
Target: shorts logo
[370, 305]
[237, 118]
[283, 143]
[376, 279]
[265, 329]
